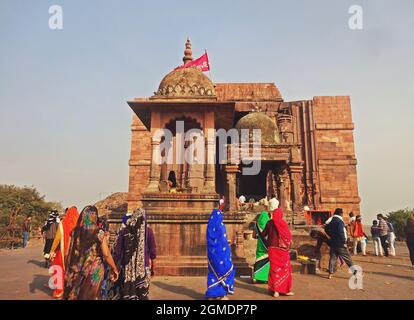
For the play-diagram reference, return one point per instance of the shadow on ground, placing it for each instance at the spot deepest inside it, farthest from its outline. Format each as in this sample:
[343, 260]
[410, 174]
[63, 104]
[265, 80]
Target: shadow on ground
[247, 285]
[386, 274]
[40, 282]
[179, 289]
[38, 263]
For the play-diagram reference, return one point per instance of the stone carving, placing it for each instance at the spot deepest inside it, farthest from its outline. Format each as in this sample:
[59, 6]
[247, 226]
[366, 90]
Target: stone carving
[284, 122]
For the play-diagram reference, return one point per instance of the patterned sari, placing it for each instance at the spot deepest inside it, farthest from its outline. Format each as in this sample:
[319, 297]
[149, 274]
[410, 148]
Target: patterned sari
[84, 266]
[130, 252]
[220, 279]
[262, 264]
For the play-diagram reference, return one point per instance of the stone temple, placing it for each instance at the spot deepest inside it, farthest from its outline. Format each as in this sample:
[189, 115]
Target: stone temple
[307, 158]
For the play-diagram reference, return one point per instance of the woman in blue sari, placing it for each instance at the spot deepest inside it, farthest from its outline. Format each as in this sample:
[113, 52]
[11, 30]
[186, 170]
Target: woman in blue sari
[220, 279]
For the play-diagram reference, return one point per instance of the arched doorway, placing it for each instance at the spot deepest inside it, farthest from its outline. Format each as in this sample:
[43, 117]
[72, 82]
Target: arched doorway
[189, 177]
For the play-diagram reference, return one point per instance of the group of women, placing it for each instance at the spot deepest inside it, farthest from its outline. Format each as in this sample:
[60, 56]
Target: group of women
[85, 267]
[272, 256]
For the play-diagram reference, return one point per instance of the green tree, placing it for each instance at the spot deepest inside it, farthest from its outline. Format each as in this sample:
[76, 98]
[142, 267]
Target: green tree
[399, 221]
[29, 200]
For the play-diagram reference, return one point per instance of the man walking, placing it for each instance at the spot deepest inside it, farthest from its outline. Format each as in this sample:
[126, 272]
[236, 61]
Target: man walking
[26, 227]
[383, 233]
[337, 232]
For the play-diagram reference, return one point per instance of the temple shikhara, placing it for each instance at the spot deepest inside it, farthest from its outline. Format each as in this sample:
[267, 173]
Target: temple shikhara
[307, 159]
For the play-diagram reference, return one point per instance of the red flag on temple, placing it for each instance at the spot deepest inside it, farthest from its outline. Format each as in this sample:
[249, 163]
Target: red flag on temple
[201, 63]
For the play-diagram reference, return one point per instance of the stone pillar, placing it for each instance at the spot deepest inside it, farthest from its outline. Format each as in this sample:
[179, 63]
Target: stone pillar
[155, 173]
[296, 173]
[285, 191]
[210, 146]
[231, 172]
[210, 152]
[155, 167]
[196, 166]
[185, 177]
[239, 250]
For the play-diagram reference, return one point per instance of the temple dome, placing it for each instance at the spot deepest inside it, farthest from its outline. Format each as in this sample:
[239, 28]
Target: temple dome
[186, 83]
[258, 120]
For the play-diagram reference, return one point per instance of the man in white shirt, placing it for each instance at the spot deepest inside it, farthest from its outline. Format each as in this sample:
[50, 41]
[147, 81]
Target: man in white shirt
[273, 203]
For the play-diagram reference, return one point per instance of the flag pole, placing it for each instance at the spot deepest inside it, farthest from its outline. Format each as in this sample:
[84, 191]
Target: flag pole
[209, 66]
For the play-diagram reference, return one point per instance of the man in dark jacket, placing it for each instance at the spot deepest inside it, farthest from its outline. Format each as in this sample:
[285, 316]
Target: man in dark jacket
[336, 230]
[383, 233]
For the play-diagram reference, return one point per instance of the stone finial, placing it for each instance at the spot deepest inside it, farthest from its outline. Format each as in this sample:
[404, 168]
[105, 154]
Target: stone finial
[188, 53]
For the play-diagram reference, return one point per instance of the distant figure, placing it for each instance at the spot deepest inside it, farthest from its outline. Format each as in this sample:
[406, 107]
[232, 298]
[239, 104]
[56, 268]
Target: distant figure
[273, 203]
[26, 228]
[409, 236]
[221, 272]
[351, 227]
[262, 263]
[359, 236]
[391, 237]
[242, 202]
[278, 239]
[134, 250]
[88, 252]
[336, 230]
[172, 182]
[49, 231]
[383, 233]
[222, 203]
[251, 203]
[376, 239]
[264, 202]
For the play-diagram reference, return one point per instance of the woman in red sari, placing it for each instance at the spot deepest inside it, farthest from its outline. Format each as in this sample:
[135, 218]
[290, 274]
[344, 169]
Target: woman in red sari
[278, 239]
[60, 247]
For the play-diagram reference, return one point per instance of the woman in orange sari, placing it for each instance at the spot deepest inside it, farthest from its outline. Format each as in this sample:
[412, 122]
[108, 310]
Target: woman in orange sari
[278, 238]
[60, 247]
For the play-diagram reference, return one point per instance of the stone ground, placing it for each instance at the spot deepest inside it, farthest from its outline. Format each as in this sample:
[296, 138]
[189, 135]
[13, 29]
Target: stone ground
[22, 276]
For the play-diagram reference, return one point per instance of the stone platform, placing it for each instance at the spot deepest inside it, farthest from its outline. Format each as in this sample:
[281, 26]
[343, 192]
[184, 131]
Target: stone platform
[179, 222]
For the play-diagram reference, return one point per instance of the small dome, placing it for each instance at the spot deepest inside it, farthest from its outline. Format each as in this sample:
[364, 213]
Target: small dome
[186, 83]
[258, 120]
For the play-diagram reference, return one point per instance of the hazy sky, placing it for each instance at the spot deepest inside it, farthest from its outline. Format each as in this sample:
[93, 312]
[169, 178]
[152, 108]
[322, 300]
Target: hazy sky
[65, 124]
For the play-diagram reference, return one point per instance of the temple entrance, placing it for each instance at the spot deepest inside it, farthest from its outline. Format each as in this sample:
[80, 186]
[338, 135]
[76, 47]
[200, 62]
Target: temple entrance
[252, 186]
[269, 181]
